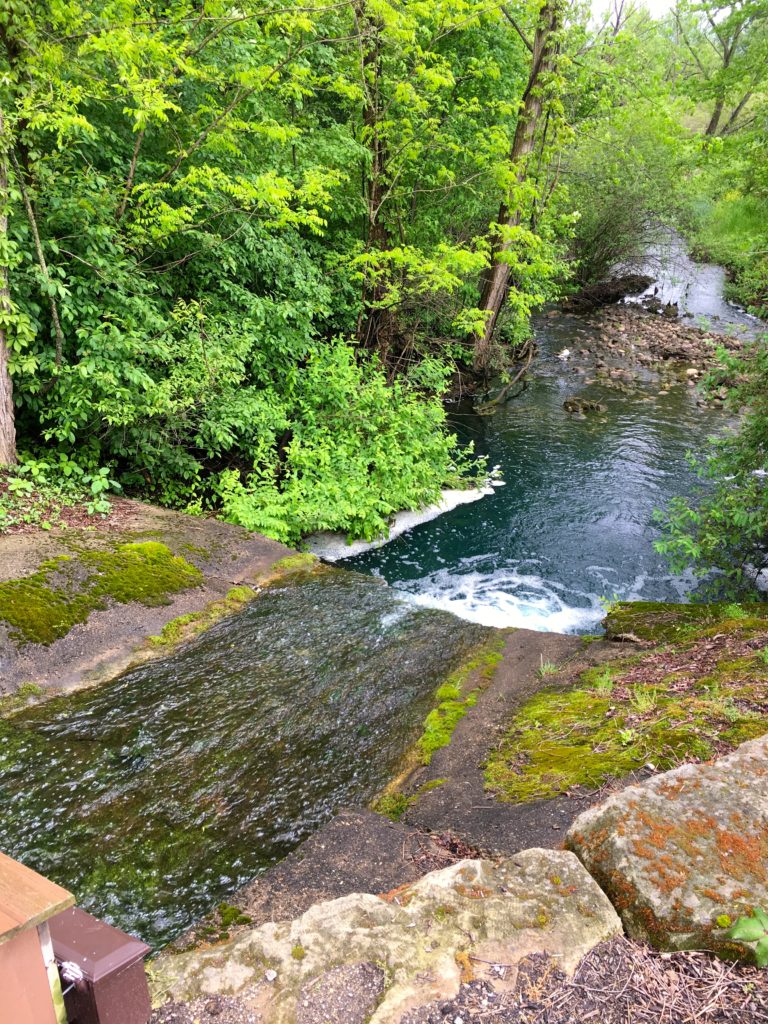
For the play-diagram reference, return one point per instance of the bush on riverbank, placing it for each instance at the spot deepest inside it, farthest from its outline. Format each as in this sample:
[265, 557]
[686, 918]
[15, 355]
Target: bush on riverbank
[721, 531]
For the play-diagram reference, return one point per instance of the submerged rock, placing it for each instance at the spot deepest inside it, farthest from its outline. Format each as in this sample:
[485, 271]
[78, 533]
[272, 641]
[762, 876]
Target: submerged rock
[580, 406]
[424, 940]
[684, 855]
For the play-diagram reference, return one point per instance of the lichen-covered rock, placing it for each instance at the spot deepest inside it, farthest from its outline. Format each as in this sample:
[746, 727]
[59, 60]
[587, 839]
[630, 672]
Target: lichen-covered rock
[426, 938]
[684, 854]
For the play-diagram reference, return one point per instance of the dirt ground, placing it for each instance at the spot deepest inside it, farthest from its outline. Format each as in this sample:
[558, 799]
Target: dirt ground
[619, 982]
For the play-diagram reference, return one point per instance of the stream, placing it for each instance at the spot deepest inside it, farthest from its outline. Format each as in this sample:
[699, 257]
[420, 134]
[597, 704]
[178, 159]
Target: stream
[573, 526]
[155, 796]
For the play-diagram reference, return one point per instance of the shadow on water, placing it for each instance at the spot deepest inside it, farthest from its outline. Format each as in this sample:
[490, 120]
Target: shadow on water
[156, 795]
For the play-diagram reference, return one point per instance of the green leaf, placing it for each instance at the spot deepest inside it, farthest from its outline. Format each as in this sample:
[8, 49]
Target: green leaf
[748, 929]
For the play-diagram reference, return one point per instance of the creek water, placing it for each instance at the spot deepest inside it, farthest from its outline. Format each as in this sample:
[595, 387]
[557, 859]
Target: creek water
[574, 525]
[153, 797]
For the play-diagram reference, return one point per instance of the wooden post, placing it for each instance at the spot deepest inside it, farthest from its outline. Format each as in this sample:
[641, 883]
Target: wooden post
[29, 978]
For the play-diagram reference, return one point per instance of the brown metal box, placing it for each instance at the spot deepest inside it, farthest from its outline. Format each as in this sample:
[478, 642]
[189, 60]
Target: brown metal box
[113, 988]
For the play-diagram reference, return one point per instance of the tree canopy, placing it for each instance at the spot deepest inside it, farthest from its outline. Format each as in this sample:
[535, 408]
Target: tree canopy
[244, 250]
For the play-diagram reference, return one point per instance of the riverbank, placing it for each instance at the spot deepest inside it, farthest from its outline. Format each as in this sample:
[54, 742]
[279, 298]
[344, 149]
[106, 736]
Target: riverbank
[333, 546]
[618, 343]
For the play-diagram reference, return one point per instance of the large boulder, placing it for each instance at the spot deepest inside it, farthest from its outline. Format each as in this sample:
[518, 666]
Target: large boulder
[406, 949]
[684, 854]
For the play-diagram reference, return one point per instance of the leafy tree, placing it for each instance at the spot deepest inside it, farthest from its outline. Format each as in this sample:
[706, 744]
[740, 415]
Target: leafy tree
[183, 251]
[7, 417]
[723, 56]
[537, 103]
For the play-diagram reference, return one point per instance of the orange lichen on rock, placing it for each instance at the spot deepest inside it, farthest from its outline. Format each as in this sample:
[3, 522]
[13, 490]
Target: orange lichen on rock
[682, 849]
[743, 854]
[402, 895]
[473, 892]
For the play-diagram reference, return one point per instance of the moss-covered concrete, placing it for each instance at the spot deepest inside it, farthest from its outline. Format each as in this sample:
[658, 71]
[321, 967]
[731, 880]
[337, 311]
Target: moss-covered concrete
[456, 696]
[44, 607]
[699, 694]
[393, 803]
[453, 699]
[78, 606]
[184, 627]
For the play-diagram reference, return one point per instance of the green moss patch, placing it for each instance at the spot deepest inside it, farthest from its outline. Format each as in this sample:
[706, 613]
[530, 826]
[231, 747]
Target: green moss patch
[664, 623]
[394, 803]
[694, 701]
[183, 627]
[453, 702]
[26, 694]
[43, 607]
[296, 563]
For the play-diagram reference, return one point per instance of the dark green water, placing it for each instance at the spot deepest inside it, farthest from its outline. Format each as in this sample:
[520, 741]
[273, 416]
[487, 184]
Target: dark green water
[574, 524]
[155, 796]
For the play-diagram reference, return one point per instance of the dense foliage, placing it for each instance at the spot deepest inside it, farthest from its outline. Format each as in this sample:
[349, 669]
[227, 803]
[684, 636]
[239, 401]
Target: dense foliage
[238, 238]
[244, 250]
[726, 526]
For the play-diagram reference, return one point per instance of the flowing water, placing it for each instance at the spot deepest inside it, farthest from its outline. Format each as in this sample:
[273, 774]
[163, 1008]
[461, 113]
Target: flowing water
[574, 526]
[156, 795]
[698, 289]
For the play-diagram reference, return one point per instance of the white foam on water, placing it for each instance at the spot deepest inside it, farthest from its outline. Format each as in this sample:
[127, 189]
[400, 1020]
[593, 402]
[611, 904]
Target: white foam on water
[516, 595]
[333, 546]
[505, 597]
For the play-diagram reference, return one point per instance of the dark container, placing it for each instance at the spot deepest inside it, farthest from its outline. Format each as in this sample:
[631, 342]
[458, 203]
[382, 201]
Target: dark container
[113, 987]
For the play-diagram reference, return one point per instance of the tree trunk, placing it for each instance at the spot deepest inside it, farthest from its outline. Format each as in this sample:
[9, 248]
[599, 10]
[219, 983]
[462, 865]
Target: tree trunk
[7, 420]
[728, 45]
[495, 283]
[717, 113]
[375, 325]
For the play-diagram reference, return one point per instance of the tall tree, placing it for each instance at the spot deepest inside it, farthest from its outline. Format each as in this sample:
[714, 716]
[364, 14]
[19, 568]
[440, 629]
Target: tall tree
[375, 323]
[496, 279]
[725, 55]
